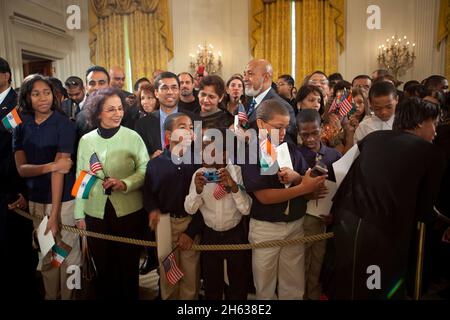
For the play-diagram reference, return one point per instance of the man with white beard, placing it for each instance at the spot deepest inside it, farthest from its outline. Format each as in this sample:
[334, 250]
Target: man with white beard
[258, 79]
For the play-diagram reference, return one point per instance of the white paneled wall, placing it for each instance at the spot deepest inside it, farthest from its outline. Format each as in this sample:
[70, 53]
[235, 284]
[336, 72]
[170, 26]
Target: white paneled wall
[223, 23]
[417, 19]
[49, 37]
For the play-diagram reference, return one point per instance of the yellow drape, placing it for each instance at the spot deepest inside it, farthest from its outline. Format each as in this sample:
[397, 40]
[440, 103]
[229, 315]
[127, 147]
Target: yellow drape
[149, 33]
[148, 45]
[270, 33]
[110, 50]
[320, 29]
[320, 35]
[444, 32]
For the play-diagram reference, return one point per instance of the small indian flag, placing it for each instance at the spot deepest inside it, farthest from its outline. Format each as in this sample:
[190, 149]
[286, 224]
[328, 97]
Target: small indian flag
[60, 251]
[12, 119]
[83, 185]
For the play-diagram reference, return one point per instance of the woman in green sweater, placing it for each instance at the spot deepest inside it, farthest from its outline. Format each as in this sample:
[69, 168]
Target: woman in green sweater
[115, 201]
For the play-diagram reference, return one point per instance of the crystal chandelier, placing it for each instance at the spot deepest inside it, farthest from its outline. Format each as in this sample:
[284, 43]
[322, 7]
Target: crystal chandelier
[205, 58]
[396, 55]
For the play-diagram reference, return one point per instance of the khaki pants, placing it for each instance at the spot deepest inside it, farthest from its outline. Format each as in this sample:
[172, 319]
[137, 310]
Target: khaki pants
[283, 264]
[55, 279]
[314, 253]
[188, 261]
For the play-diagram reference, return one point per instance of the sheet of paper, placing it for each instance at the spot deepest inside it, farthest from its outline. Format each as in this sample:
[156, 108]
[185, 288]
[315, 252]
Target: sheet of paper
[46, 242]
[236, 123]
[164, 237]
[284, 158]
[322, 206]
[342, 166]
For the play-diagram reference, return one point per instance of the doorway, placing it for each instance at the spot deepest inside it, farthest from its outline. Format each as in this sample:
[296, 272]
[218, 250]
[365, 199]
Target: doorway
[33, 63]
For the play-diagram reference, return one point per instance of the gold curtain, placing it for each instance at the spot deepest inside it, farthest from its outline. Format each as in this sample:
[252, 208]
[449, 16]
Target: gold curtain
[151, 47]
[443, 33]
[270, 33]
[110, 50]
[320, 27]
[149, 33]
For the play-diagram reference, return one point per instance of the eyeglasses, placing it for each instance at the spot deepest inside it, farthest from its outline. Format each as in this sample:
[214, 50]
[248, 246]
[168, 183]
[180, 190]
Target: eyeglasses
[113, 110]
[166, 89]
[275, 127]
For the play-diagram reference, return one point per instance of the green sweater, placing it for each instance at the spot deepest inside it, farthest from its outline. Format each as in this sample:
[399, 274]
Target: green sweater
[123, 156]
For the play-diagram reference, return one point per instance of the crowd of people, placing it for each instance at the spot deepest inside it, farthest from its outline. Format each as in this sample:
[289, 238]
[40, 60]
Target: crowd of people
[129, 143]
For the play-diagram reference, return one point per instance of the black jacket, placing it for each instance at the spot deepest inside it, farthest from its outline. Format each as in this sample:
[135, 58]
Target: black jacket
[11, 184]
[292, 129]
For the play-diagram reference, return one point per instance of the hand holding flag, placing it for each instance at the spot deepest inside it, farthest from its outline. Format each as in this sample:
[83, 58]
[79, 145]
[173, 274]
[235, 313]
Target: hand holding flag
[83, 185]
[171, 269]
[95, 164]
[12, 119]
[242, 116]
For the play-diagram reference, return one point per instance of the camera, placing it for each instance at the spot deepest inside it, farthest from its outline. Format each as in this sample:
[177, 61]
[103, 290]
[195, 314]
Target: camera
[211, 176]
[319, 170]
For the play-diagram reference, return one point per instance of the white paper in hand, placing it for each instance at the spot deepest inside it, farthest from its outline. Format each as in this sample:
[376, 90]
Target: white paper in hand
[236, 123]
[164, 236]
[284, 158]
[342, 166]
[322, 206]
[46, 242]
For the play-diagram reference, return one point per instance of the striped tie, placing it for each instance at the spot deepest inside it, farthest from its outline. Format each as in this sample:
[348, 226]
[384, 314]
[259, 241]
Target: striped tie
[251, 107]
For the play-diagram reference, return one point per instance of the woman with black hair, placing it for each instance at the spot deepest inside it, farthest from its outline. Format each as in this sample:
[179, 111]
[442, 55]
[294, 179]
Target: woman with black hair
[391, 186]
[309, 97]
[43, 145]
[210, 96]
[115, 201]
[235, 94]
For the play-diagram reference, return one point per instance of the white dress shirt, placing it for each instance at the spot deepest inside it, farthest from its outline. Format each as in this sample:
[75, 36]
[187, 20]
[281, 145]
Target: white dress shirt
[370, 125]
[225, 213]
[81, 104]
[261, 96]
[4, 94]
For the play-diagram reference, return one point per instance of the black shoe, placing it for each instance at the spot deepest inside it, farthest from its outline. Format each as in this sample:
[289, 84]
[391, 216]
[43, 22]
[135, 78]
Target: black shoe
[147, 266]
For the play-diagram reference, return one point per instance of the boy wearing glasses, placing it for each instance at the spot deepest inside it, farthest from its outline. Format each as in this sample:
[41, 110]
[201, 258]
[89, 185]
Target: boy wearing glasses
[313, 151]
[277, 211]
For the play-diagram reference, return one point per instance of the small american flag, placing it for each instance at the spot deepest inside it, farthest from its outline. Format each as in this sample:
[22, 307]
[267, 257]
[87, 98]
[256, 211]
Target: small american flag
[334, 104]
[173, 273]
[219, 191]
[345, 106]
[242, 115]
[94, 163]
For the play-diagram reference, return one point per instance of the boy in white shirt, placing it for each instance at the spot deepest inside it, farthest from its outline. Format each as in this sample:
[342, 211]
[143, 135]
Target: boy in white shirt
[217, 191]
[383, 100]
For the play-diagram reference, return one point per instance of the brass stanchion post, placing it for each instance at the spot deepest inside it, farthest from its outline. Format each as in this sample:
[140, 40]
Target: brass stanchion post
[419, 266]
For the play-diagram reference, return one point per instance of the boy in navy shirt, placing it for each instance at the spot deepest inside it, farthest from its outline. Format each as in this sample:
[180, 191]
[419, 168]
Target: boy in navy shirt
[165, 188]
[277, 212]
[313, 151]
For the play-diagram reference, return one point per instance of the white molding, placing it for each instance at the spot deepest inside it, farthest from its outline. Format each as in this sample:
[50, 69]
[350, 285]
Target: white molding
[51, 8]
[40, 26]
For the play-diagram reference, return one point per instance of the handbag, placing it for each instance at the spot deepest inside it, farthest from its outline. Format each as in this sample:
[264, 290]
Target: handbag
[88, 271]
